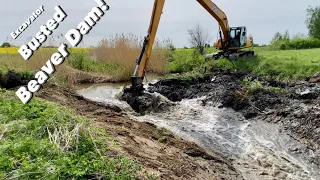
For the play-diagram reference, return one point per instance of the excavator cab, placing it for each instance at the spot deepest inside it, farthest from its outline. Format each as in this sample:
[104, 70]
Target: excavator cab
[237, 37]
[237, 40]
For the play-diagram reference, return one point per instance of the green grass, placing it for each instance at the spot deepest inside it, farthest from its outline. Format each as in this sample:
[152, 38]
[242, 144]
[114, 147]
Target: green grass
[42, 140]
[253, 84]
[289, 64]
[83, 62]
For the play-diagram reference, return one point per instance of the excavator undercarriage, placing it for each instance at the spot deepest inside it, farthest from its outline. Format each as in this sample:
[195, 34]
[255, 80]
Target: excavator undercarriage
[231, 55]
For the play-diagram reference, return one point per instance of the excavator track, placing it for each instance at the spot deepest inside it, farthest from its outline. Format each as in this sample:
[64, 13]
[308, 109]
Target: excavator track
[240, 54]
[229, 55]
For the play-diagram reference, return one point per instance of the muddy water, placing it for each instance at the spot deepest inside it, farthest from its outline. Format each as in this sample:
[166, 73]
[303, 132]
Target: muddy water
[259, 149]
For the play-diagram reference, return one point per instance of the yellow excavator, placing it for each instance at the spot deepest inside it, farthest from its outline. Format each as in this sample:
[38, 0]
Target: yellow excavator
[230, 43]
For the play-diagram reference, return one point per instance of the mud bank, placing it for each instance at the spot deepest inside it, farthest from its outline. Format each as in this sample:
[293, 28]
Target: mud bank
[13, 79]
[294, 106]
[156, 149]
[75, 76]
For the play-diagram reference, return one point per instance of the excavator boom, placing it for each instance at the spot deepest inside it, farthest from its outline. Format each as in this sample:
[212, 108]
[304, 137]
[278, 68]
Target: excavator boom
[218, 14]
[158, 5]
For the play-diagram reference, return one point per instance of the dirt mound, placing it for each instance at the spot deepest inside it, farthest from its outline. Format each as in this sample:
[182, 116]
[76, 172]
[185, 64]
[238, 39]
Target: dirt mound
[177, 89]
[158, 150]
[12, 79]
[145, 102]
[314, 79]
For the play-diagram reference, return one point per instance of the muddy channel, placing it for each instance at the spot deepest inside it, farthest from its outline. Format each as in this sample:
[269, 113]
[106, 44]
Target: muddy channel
[267, 135]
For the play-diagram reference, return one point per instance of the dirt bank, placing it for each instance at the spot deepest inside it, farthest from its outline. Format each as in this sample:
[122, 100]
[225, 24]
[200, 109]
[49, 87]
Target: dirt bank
[295, 106]
[12, 79]
[158, 151]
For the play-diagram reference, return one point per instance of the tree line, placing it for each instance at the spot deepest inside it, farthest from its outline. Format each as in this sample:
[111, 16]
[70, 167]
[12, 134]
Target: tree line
[284, 41]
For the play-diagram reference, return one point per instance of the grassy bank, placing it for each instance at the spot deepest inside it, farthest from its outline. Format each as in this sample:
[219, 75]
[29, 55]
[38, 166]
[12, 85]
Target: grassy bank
[114, 59]
[42, 140]
[289, 64]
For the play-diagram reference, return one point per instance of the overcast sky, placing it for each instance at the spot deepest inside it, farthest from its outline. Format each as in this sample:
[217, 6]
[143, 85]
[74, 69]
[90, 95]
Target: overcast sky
[263, 18]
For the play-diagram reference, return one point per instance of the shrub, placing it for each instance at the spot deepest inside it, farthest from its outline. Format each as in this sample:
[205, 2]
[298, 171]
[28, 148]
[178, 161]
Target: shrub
[6, 44]
[299, 41]
[307, 43]
[83, 62]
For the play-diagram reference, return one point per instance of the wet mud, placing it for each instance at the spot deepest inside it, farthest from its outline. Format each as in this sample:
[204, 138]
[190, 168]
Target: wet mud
[158, 150]
[12, 79]
[145, 102]
[294, 107]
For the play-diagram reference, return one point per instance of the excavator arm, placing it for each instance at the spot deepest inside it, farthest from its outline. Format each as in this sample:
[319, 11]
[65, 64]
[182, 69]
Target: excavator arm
[144, 56]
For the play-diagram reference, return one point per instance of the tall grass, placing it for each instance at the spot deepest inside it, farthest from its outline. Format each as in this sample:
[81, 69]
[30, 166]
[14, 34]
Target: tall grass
[123, 50]
[16, 62]
[64, 73]
[114, 57]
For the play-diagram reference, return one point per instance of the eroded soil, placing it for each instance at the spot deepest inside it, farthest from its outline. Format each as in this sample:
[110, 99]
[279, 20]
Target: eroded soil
[295, 106]
[158, 150]
[12, 79]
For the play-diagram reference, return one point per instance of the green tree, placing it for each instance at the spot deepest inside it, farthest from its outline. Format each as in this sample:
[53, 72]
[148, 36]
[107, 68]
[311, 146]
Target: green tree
[313, 21]
[6, 44]
[286, 36]
[281, 41]
[299, 35]
[276, 38]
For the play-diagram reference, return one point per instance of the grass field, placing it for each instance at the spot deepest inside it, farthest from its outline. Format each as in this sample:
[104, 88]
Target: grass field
[289, 64]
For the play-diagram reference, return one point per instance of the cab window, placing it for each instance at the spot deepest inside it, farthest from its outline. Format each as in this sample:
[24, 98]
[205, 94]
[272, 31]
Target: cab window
[232, 33]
